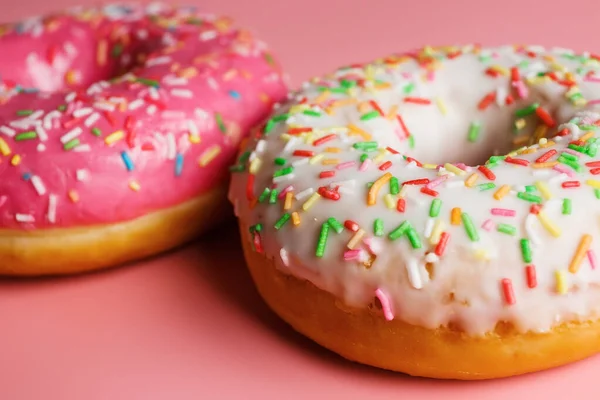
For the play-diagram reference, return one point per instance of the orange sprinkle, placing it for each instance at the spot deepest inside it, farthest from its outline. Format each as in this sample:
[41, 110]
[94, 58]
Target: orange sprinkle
[114, 137]
[455, 216]
[587, 136]
[501, 192]
[322, 97]
[133, 185]
[330, 161]
[544, 164]
[332, 150]
[392, 112]
[4, 148]
[209, 154]
[374, 190]
[295, 218]
[15, 160]
[102, 52]
[580, 253]
[356, 238]
[288, 200]
[470, 181]
[73, 195]
[357, 131]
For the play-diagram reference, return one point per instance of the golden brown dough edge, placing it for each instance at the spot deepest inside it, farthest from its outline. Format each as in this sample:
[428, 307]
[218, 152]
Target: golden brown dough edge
[64, 251]
[364, 336]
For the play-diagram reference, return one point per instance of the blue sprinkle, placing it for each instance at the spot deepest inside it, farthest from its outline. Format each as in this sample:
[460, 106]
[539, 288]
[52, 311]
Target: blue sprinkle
[178, 164]
[27, 176]
[127, 161]
[234, 94]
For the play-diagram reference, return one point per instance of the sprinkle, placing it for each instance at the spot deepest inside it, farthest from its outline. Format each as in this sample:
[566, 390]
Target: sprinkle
[24, 218]
[351, 225]
[38, 185]
[455, 216]
[374, 190]
[127, 161]
[209, 155]
[401, 205]
[335, 225]
[288, 200]
[282, 221]
[544, 190]
[295, 218]
[356, 238]
[503, 212]
[529, 197]
[400, 230]
[441, 245]
[114, 137]
[545, 117]
[4, 149]
[414, 276]
[580, 253]
[571, 184]
[311, 201]
[434, 209]
[488, 225]
[507, 229]
[220, 123]
[486, 101]
[378, 227]
[470, 181]
[526, 250]
[507, 290]
[324, 139]
[546, 156]
[548, 224]
[486, 172]
[561, 282]
[414, 239]
[454, 169]
[592, 258]
[385, 305]
[566, 207]
[474, 131]
[470, 227]
[26, 136]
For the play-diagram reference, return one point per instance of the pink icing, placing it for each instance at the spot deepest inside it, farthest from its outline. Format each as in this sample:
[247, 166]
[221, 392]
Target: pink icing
[207, 80]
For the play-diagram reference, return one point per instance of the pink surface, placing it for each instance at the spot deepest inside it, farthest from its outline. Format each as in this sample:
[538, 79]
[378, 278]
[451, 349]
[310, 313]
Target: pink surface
[189, 325]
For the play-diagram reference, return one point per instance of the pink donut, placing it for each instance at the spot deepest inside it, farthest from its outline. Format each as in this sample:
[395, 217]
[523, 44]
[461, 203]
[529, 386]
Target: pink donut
[117, 128]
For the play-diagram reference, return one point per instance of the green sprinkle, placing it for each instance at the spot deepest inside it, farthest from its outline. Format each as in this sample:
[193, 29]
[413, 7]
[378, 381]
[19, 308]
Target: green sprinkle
[378, 227]
[411, 142]
[322, 242]
[220, 123]
[591, 150]
[237, 168]
[369, 115]
[532, 198]
[470, 227]
[282, 221]
[96, 132]
[335, 225]
[263, 196]
[273, 196]
[312, 113]
[369, 184]
[434, 209]
[474, 130]
[269, 59]
[62, 108]
[283, 171]
[580, 149]
[280, 161]
[530, 188]
[486, 186]
[365, 146]
[363, 157]
[572, 164]
[148, 82]
[117, 50]
[566, 207]
[523, 112]
[71, 144]
[394, 186]
[496, 159]
[347, 83]
[26, 136]
[414, 239]
[339, 90]
[597, 193]
[526, 250]
[409, 88]
[280, 117]
[256, 228]
[569, 157]
[24, 113]
[244, 157]
[587, 127]
[508, 229]
[269, 126]
[399, 231]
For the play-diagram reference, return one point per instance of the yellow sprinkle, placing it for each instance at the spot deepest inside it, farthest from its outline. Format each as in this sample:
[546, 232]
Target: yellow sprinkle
[501, 192]
[520, 123]
[194, 139]
[548, 224]
[114, 137]
[379, 158]
[389, 201]
[374, 190]
[429, 166]
[546, 144]
[255, 165]
[455, 216]
[544, 190]
[357, 131]
[441, 106]
[4, 149]
[71, 77]
[308, 137]
[356, 238]
[549, 164]
[73, 196]
[295, 218]
[311, 200]
[330, 161]
[322, 97]
[580, 253]
[470, 181]
[587, 136]
[561, 282]
[298, 108]
[316, 159]
[593, 183]
[288, 200]
[481, 254]
[209, 155]
[189, 72]
[454, 169]
[502, 70]
[403, 190]
[436, 233]
[15, 160]
[542, 142]
[391, 114]
[134, 186]
[332, 150]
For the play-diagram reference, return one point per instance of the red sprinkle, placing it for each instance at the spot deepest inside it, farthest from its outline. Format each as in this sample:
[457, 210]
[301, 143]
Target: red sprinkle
[393, 151]
[487, 172]
[417, 100]
[329, 194]
[486, 101]
[297, 131]
[51, 54]
[531, 276]
[148, 147]
[515, 75]
[250, 187]
[509, 100]
[517, 161]
[376, 107]
[159, 104]
[595, 171]
[410, 159]
[441, 246]
[563, 132]
[535, 209]
[492, 72]
[428, 191]
[546, 156]
[592, 164]
[570, 184]
[324, 139]
[385, 165]
[110, 118]
[507, 289]
[257, 243]
[303, 153]
[422, 181]
[403, 126]
[71, 123]
[326, 174]
[545, 117]
[351, 225]
[401, 205]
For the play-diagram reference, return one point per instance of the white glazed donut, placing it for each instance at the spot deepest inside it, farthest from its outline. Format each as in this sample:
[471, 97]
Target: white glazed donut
[381, 218]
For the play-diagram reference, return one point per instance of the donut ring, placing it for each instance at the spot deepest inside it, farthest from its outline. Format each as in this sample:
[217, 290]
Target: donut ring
[117, 125]
[380, 218]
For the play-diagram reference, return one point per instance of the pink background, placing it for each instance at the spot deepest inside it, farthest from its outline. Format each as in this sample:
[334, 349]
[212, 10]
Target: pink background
[189, 325]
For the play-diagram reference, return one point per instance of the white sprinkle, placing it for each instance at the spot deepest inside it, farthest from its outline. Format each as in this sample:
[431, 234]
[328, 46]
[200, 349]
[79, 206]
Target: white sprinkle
[192, 127]
[284, 257]
[557, 178]
[48, 119]
[289, 146]
[213, 83]
[184, 93]
[208, 35]
[38, 185]
[529, 221]
[82, 112]
[171, 146]
[24, 218]
[91, 120]
[454, 183]
[82, 174]
[8, 131]
[346, 190]
[431, 258]
[82, 148]
[168, 114]
[300, 162]
[175, 81]
[105, 106]
[72, 134]
[414, 276]
[303, 194]
[158, 61]
[135, 104]
[70, 97]
[41, 147]
[501, 94]
[261, 145]
[52, 201]
[153, 93]
[429, 227]
[70, 49]
[283, 178]
[151, 109]
[35, 115]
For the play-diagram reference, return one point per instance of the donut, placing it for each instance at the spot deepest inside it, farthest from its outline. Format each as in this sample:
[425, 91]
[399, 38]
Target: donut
[117, 128]
[434, 212]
